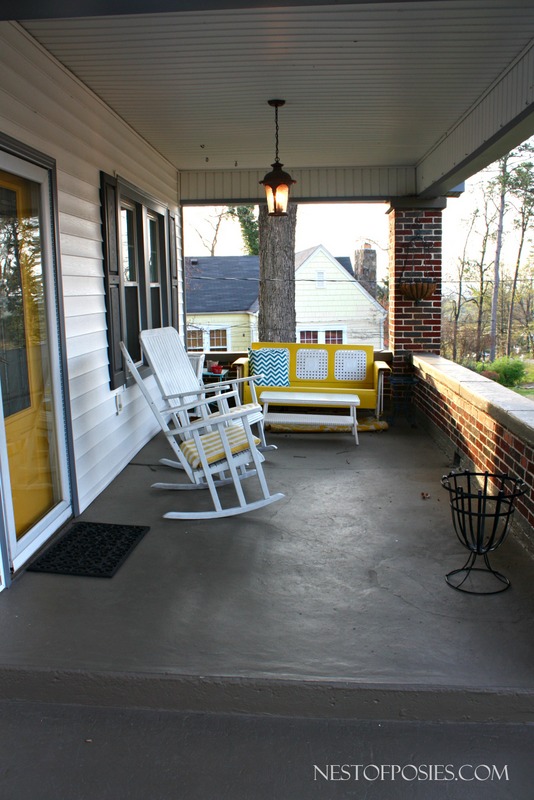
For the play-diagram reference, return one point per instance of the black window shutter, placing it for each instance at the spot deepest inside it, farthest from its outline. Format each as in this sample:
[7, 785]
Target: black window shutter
[174, 273]
[110, 237]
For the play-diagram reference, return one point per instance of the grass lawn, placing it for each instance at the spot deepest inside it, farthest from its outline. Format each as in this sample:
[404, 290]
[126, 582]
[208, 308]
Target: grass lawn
[529, 382]
[525, 392]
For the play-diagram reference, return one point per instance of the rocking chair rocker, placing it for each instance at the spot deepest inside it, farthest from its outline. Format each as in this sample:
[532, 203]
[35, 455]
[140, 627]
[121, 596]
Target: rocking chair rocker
[213, 451]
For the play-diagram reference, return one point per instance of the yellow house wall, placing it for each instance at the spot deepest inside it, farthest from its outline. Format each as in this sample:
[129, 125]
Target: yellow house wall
[239, 327]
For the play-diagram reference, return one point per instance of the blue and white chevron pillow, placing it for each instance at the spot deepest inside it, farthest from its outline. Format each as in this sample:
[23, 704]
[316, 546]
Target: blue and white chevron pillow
[273, 363]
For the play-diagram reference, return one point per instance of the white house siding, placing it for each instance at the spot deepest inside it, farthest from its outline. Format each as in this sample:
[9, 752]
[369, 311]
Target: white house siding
[350, 183]
[45, 107]
[341, 305]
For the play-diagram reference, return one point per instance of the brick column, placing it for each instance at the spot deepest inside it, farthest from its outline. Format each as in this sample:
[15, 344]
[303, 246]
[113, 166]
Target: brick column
[415, 254]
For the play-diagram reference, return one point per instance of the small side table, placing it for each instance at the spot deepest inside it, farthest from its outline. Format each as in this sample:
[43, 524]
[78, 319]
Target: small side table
[215, 376]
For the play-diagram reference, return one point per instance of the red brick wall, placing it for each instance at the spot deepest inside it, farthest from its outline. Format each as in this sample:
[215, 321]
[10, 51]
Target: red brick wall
[415, 250]
[474, 434]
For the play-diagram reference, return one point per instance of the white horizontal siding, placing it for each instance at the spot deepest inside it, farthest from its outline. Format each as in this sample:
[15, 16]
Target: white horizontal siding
[87, 381]
[82, 285]
[85, 364]
[94, 473]
[74, 265]
[85, 324]
[45, 107]
[77, 306]
[87, 344]
[370, 183]
[70, 123]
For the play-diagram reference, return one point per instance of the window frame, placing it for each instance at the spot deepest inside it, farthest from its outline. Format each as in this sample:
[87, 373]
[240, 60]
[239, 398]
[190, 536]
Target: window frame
[117, 195]
[198, 333]
[310, 337]
[321, 332]
[216, 348]
[336, 331]
[320, 279]
[206, 333]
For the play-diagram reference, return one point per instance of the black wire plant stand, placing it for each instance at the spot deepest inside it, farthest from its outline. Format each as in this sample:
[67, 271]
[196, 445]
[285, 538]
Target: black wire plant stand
[482, 505]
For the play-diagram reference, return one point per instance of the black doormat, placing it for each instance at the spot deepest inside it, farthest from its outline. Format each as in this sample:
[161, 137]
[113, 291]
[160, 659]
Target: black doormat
[92, 549]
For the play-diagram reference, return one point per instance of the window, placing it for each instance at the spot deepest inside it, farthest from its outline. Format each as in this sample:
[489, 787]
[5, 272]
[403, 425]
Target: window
[214, 340]
[333, 337]
[321, 336]
[130, 286]
[138, 235]
[319, 279]
[154, 268]
[309, 337]
[195, 340]
[218, 340]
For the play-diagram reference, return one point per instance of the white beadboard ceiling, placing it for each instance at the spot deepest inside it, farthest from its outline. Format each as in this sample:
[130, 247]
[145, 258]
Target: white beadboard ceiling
[366, 84]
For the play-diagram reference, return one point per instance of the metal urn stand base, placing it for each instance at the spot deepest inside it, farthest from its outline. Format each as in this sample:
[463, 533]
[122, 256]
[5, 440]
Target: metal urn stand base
[482, 505]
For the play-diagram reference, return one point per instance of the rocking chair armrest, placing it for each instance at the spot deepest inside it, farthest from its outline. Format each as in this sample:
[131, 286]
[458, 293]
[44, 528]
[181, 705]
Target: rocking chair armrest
[216, 387]
[217, 421]
[236, 381]
[209, 387]
[205, 401]
[189, 393]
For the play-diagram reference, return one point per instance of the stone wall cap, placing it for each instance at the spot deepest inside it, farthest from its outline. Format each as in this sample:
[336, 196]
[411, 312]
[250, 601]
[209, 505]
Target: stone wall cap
[513, 411]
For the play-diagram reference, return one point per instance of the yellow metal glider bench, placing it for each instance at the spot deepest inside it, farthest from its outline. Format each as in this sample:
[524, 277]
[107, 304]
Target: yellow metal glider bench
[314, 375]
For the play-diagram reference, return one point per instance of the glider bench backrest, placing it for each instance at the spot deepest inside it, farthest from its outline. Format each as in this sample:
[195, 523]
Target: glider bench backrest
[335, 368]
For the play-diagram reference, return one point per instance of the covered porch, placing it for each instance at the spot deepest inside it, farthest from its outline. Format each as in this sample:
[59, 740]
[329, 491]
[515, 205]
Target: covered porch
[319, 630]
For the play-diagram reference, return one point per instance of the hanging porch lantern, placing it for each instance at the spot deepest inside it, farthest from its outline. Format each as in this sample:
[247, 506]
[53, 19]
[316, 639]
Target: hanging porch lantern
[277, 182]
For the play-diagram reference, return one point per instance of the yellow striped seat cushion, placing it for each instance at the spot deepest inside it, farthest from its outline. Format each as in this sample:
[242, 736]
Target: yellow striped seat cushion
[213, 447]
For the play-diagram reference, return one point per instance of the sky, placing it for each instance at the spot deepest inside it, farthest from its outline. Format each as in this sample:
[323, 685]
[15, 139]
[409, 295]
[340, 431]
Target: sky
[341, 227]
[344, 227]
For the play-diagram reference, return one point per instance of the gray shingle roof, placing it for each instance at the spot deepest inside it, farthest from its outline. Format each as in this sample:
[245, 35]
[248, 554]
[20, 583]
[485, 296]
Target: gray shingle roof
[230, 283]
[221, 283]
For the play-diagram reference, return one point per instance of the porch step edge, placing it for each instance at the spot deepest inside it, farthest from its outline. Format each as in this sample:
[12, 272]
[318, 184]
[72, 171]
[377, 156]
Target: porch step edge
[278, 696]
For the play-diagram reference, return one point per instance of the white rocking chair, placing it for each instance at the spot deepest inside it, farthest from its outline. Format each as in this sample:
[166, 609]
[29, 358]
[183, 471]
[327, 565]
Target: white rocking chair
[213, 451]
[177, 380]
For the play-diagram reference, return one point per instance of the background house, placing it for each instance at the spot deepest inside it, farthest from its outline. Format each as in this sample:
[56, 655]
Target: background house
[221, 302]
[331, 305]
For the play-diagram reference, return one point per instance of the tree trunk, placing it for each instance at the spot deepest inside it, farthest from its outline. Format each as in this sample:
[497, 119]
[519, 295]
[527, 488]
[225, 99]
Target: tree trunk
[503, 183]
[514, 290]
[277, 316]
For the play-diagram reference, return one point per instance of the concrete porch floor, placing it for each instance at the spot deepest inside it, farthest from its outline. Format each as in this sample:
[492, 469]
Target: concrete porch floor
[342, 581]
[331, 604]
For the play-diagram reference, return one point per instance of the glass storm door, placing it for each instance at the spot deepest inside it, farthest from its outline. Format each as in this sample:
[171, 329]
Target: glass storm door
[33, 459]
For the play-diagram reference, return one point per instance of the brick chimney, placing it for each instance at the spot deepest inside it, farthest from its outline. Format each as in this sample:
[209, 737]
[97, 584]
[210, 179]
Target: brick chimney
[365, 268]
